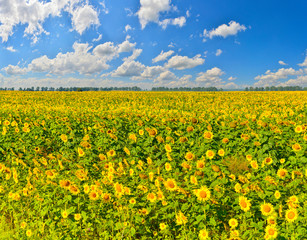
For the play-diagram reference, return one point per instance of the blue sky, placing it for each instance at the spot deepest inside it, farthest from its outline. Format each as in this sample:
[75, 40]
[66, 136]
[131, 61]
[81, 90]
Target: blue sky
[146, 43]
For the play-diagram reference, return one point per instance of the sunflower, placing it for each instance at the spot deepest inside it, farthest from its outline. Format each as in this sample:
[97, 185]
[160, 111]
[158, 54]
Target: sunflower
[74, 189]
[271, 220]
[244, 203]
[180, 218]
[266, 209]
[233, 223]
[127, 151]
[132, 201]
[203, 234]
[77, 216]
[190, 129]
[168, 167]
[221, 152]
[65, 184]
[277, 194]
[151, 197]
[141, 132]
[170, 184]
[23, 225]
[268, 160]
[111, 153]
[86, 188]
[296, 147]
[249, 157]
[203, 194]
[64, 138]
[254, 164]
[210, 154]
[298, 129]
[189, 156]
[225, 140]
[200, 164]
[65, 214]
[271, 232]
[80, 152]
[282, 160]
[208, 135]
[291, 215]
[162, 226]
[282, 173]
[29, 233]
[93, 195]
[168, 148]
[119, 189]
[193, 180]
[106, 197]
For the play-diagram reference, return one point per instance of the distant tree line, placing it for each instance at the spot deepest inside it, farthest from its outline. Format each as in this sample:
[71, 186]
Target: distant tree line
[196, 89]
[279, 88]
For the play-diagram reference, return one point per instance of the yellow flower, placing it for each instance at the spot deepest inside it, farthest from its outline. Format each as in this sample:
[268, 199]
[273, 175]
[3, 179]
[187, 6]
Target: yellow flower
[254, 164]
[296, 147]
[64, 138]
[233, 222]
[210, 154]
[180, 218]
[249, 158]
[282, 173]
[291, 215]
[111, 153]
[80, 152]
[163, 226]
[193, 180]
[208, 135]
[221, 152]
[277, 194]
[127, 151]
[168, 148]
[271, 220]
[65, 214]
[29, 233]
[170, 184]
[77, 216]
[141, 132]
[203, 234]
[93, 195]
[151, 197]
[244, 203]
[298, 129]
[168, 167]
[23, 225]
[266, 209]
[189, 156]
[132, 201]
[268, 160]
[203, 194]
[271, 232]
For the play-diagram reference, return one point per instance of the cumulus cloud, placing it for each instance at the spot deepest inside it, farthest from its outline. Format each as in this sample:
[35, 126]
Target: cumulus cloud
[211, 77]
[83, 17]
[129, 69]
[218, 52]
[165, 76]
[179, 21]
[282, 63]
[150, 10]
[184, 62]
[149, 73]
[127, 28]
[34, 13]
[163, 56]
[272, 78]
[81, 60]
[224, 30]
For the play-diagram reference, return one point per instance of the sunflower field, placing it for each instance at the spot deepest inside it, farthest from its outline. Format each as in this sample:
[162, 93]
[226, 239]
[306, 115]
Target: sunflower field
[152, 165]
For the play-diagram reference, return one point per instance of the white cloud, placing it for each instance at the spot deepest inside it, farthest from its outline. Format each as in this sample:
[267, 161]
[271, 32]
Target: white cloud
[136, 53]
[150, 73]
[81, 60]
[165, 76]
[150, 10]
[126, 46]
[11, 49]
[163, 56]
[127, 28]
[34, 13]
[129, 69]
[179, 21]
[272, 78]
[232, 78]
[184, 62]
[188, 14]
[171, 45]
[211, 77]
[14, 70]
[299, 81]
[98, 38]
[282, 63]
[303, 64]
[218, 52]
[83, 17]
[225, 30]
